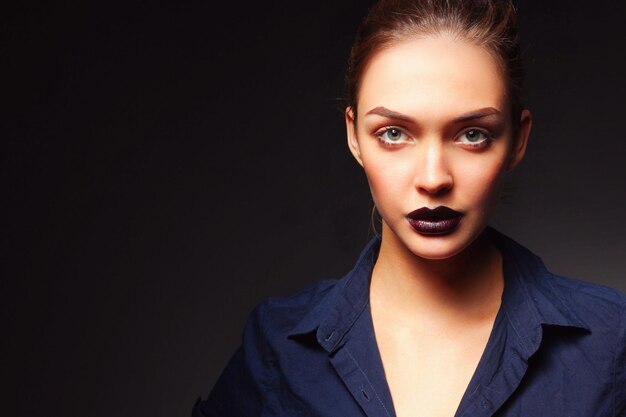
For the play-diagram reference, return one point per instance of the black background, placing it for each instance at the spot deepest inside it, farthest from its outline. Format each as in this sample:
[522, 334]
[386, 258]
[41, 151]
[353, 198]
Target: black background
[168, 165]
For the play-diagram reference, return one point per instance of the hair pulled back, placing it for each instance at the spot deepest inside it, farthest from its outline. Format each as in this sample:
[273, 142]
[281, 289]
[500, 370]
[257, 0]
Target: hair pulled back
[490, 24]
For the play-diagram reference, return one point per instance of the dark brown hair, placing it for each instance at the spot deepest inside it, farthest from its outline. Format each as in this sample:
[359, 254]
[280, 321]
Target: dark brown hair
[487, 23]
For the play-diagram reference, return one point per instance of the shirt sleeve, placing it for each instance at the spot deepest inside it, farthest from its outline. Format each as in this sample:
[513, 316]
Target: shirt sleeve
[243, 386]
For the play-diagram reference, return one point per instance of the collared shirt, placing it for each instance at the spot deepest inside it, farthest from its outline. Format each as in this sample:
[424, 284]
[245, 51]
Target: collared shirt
[557, 348]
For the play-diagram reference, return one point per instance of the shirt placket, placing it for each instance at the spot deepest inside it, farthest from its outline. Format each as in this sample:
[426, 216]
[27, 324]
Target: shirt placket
[359, 384]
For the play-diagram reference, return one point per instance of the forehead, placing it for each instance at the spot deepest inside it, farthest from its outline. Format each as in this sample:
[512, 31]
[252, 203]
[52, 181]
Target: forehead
[433, 76]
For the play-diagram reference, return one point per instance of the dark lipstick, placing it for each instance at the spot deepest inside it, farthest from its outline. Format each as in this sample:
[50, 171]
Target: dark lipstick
[438, 221]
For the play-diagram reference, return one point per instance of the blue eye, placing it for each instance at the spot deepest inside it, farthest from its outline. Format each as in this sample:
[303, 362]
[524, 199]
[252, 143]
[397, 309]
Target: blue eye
[474, 138]
[392, 135]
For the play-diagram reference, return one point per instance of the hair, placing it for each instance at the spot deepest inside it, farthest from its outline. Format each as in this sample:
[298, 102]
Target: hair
[487, 23]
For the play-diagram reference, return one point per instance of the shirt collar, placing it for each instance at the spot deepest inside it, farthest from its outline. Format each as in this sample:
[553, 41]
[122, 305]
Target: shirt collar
[530, 299]
[531, 284]
[335, 314]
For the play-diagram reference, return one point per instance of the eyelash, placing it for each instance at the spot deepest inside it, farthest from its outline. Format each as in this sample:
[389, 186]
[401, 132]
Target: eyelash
[380, 132]
[486, 141]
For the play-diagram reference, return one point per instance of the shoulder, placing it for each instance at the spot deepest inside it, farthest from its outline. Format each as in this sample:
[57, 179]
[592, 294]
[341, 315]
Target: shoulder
[280, 315]
[603, 310]
[557, 299]
[600, 309]
[581, 326]
[303, 300]
[326, 306]
[250, 376]
[596, 304]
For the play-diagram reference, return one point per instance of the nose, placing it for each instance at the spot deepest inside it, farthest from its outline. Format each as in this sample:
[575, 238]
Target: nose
[433, 176]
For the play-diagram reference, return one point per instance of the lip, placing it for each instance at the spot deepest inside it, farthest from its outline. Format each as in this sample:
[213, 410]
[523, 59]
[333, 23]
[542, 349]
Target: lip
[438, 221]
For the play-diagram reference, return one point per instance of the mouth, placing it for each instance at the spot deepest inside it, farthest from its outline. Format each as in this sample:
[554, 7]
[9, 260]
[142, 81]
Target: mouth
[438, 221]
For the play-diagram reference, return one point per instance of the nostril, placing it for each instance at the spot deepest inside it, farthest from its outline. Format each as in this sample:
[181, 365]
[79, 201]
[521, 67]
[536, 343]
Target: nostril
[436, 188]
[435, 183]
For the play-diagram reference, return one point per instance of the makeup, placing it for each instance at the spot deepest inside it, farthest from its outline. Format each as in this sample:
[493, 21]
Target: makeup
[438, 221]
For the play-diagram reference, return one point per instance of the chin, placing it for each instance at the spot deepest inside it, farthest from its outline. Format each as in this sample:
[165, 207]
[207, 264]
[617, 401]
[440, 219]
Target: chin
[433, 250]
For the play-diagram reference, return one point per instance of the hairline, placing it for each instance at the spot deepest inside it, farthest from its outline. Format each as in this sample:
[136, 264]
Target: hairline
[434, 33]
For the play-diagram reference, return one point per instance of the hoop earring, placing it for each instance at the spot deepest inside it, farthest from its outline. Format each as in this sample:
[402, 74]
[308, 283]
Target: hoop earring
[375, 218]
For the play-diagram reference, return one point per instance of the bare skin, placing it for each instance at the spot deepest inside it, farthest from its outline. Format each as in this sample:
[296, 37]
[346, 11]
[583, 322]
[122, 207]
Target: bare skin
[432, 322]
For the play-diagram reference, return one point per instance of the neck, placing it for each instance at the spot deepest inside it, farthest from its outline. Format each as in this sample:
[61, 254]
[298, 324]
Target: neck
[462, 288]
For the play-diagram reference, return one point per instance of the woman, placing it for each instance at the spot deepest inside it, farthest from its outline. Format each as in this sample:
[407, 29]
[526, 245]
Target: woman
[441, 316]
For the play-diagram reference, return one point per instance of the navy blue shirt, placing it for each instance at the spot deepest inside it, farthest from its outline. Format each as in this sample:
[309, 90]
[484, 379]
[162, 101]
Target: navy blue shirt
[557, 348]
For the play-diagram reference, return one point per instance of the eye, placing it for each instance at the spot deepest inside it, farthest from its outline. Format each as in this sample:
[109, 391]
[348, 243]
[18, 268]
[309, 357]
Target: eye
[474, 138]
[392, 136]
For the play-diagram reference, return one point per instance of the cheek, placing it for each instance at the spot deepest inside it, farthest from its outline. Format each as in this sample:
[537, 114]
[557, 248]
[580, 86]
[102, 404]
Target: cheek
[481, 179]
[389, 178]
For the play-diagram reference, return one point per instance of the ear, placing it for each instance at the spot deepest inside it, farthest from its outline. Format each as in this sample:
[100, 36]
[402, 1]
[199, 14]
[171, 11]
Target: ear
[521, 140]
[353, 142]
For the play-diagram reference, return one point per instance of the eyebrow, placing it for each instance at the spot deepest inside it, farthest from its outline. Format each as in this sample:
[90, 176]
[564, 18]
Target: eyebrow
[478, 114]
[473, 115]
[390, 114]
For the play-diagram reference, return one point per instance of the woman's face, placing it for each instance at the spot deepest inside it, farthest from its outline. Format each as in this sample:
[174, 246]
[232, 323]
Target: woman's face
[434, 130]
